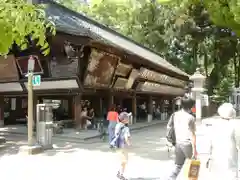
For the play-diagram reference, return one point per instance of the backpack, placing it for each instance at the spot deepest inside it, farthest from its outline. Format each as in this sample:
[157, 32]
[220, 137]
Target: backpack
[115, 143]
[170, 135]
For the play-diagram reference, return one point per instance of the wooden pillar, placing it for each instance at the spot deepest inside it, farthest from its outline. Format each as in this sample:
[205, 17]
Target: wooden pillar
[101, 107]
[70, 108]
[150, 109]
[77, 109]
[1, 111]
[134, 108]
[167, 108]
[162, 108]
[110, 100]
[173, 105]
[170, 108]
[121, 102]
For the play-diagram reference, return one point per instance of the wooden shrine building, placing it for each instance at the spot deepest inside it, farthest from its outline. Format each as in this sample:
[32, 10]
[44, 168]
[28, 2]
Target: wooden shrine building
[89, 61]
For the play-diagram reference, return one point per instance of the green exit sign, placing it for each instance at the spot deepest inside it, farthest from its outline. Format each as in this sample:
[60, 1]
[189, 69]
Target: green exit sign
[36, 81]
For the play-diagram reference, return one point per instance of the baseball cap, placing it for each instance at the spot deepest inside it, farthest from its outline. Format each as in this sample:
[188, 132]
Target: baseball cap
[123, 116]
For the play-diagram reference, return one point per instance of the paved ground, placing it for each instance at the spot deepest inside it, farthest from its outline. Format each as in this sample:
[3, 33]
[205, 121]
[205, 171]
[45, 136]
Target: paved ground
[71, 134]
[149, 159]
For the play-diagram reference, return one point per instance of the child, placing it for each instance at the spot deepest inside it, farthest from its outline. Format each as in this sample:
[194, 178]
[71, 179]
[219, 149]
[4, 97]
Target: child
[124, 142]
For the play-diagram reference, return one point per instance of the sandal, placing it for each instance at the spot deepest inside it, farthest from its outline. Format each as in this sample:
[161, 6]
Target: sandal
[120, 176]
[123, 178]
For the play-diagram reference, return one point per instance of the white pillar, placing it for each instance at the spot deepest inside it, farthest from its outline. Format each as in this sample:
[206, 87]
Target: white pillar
[198, 106]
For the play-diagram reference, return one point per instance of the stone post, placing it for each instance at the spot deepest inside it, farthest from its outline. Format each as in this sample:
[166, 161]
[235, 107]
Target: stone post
[198, 81]
[198, 105]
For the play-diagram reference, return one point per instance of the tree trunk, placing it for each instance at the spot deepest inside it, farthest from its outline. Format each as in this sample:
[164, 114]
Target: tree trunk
[236, 74]
[206, 63]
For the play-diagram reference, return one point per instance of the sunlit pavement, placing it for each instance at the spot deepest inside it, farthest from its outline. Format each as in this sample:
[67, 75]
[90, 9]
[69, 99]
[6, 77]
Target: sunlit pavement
[149, 160]
[80, 164]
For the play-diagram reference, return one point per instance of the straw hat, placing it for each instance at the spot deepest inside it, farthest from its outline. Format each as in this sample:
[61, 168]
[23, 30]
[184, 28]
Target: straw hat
[226, 111]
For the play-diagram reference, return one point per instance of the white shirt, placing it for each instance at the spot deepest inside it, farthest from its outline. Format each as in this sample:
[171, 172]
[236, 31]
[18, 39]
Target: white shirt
[184, 125]
[224, 141]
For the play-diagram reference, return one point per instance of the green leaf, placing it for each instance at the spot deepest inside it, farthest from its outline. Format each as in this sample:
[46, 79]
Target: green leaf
[18, 19]
[46, 52]
[45, 46]
[164, 1]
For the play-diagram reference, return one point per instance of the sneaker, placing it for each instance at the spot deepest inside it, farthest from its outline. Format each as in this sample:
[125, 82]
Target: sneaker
[123, 178]
[119, 175]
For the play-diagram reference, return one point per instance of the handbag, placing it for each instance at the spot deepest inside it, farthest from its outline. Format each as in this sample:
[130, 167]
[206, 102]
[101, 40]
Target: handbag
[190, 169]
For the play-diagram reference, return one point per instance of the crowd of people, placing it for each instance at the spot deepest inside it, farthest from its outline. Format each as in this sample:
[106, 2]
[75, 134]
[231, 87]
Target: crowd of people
[224, 142]
[224, 139]
[88, 119]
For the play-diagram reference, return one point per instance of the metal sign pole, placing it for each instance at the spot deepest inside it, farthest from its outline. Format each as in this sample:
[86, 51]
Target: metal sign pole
[31, 63]
[30, 109]
[31, 148]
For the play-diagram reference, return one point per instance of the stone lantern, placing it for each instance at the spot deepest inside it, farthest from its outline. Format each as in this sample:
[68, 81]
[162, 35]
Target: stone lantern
[198, 84]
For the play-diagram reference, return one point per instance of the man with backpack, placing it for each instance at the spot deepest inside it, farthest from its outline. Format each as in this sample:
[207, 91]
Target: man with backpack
[121, 142]
[181, 133]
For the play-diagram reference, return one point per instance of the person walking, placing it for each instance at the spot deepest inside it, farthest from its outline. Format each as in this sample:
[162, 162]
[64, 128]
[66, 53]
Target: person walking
[224, 144]
[123, 133]
[184, 127]
[112, 118]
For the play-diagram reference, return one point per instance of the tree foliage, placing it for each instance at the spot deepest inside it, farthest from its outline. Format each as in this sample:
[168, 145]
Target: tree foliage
[20, 23]
[224, 13]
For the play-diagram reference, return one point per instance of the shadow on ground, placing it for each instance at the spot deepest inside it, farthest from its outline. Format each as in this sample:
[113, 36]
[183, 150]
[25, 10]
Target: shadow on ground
[9, 148]
[148, 156]
[148, 144]
[146, 147]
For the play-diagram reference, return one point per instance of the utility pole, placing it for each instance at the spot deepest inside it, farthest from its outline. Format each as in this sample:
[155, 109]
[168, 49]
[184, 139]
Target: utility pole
[31, 148]
[31, 64]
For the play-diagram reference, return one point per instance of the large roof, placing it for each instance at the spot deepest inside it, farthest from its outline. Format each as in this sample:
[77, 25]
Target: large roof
[78, 24]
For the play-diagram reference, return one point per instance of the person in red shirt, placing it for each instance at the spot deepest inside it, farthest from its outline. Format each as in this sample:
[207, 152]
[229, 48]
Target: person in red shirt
[112, 117]
[193, 110]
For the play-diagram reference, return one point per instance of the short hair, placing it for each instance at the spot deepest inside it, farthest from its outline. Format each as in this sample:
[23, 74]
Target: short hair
[123, 116]
[112, 107]
[187, 103]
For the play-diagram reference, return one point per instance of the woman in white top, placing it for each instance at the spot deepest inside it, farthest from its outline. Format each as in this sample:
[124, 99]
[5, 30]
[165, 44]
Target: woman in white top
[224, 138]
